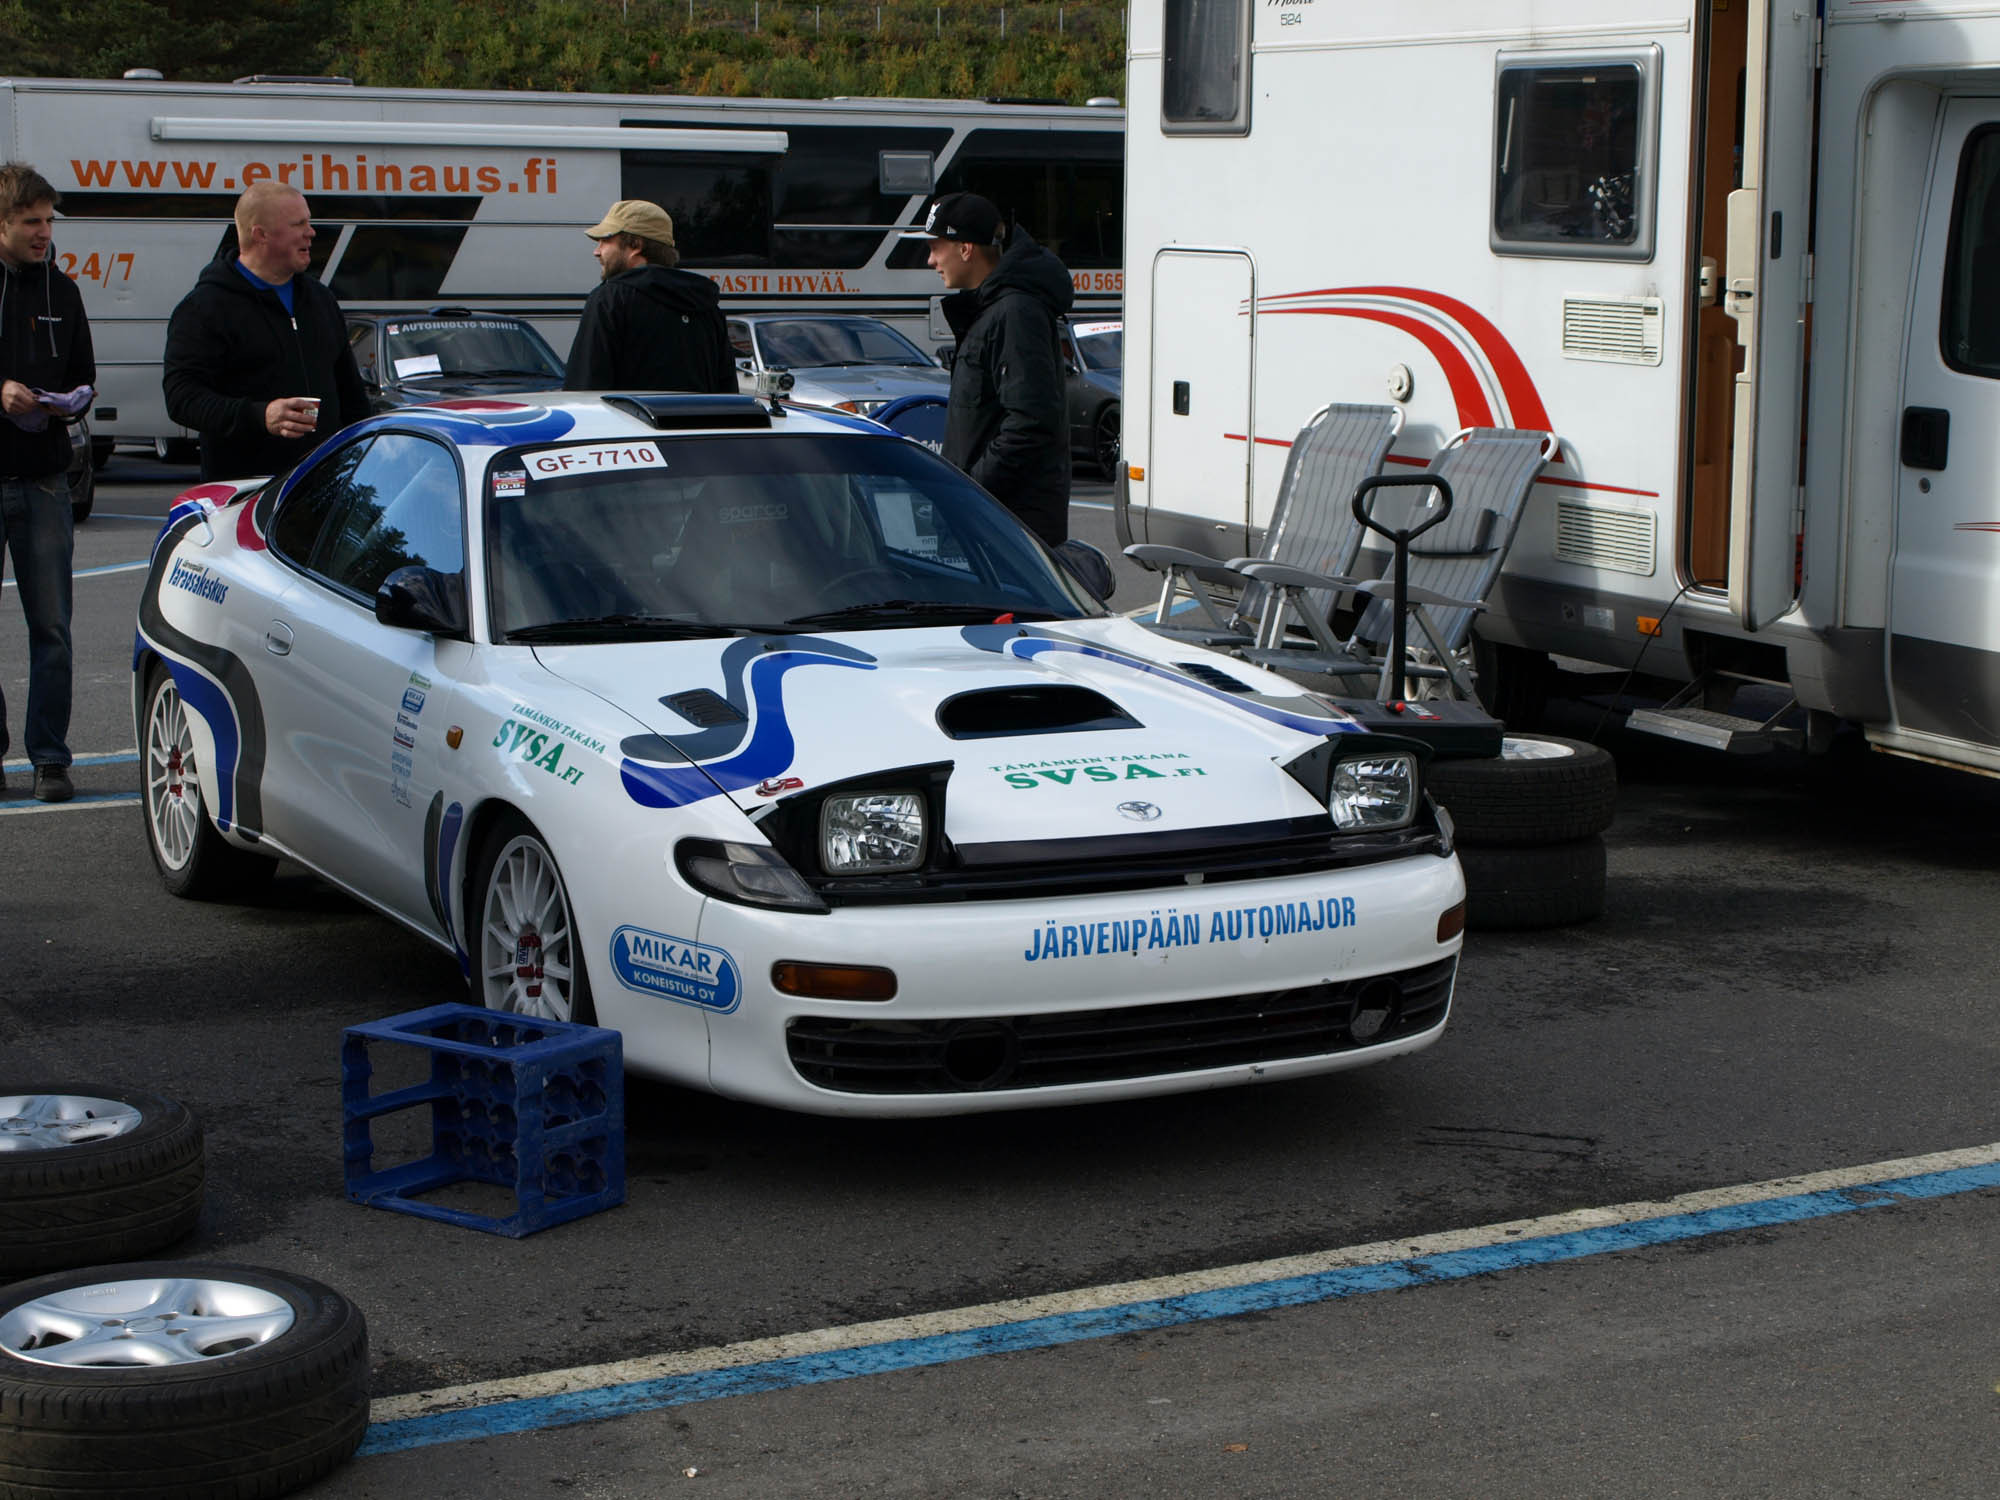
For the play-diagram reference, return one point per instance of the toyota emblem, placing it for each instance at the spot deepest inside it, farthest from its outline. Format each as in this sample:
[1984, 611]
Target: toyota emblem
[1139, 812]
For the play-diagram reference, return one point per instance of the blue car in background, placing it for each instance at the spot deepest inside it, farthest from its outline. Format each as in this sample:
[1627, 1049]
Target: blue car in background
[1093, 361]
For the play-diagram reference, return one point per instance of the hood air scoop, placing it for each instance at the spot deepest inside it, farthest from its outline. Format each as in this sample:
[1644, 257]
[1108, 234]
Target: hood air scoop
[992, 713]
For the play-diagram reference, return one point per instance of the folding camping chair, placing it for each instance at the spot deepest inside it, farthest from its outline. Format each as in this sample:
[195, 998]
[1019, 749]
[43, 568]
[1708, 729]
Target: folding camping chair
[1452, 567]
[1312, 527]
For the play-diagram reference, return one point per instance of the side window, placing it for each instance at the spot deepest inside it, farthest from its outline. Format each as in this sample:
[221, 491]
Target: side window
[1969, 331]
[1067, 186]
[720, 205]
[302, 514]
[1574, 142]
[361, 339]
[402, 509]
[1205, 87]
[739, 340]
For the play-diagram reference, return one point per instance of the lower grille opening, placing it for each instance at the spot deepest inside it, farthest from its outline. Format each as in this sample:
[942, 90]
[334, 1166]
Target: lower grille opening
[1142, 1041]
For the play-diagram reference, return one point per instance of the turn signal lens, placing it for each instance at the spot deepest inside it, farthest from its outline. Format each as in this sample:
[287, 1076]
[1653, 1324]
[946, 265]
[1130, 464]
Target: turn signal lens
[1451, 923]
[832, 981]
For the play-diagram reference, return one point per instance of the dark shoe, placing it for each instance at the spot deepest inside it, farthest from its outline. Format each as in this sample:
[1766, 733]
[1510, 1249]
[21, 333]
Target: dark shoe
[52, 784]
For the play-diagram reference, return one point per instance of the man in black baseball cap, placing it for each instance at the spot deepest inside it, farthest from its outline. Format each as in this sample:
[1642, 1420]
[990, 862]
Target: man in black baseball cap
[1007, 422]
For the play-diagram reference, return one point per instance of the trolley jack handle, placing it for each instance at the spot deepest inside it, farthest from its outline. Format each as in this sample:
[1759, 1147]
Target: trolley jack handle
[1400, 538]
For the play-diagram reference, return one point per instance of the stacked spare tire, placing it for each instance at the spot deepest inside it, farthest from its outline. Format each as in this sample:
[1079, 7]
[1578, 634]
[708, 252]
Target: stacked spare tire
[1530, 830]
[123, 1379]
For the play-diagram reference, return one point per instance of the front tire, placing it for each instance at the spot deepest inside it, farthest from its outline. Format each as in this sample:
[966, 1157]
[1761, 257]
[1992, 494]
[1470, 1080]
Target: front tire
[526, 956]
[194, 860]
[93, 1173]
[1104, 440]
[174, 1380]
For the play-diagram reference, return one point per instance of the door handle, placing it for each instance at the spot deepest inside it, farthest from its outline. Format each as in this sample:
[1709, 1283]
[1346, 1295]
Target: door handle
[1926, 437]
[1181, 398]
[278, 638]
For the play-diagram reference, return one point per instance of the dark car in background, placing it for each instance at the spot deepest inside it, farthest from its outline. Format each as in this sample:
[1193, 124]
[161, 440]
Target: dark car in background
[1093, 364]
[407, 359]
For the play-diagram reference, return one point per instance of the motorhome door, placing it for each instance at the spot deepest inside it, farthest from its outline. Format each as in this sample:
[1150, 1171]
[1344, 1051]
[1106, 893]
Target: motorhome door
[1764, 290]
[1944, 605]
[1203, 327]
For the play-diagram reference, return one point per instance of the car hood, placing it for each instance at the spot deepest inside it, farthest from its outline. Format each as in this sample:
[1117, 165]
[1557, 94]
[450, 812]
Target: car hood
[868, 382]
[455, 387]
[1052, 731]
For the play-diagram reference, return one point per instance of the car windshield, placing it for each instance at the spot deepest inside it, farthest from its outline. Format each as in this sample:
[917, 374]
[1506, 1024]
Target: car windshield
[465, 346]
[673, 536]
[814, 343]
[1102, 345]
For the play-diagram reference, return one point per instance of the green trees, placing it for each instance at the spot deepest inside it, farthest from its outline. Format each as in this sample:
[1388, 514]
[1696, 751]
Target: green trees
[745, 48]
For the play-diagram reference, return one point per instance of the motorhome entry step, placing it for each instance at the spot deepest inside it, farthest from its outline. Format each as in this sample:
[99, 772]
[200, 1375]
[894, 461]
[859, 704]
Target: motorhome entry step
[1702, 726]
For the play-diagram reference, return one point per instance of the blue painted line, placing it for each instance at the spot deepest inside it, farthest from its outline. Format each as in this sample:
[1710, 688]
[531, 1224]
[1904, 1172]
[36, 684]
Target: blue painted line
[537, 1413]
[81, 799]
[96, 572]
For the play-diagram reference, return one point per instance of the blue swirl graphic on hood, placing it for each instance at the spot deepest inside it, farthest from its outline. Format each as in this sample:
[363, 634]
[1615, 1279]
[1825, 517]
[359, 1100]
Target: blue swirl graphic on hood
[1026, 642]
[770, 749]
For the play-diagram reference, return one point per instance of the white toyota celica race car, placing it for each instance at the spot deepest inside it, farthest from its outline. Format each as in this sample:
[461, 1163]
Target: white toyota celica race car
[770, 740]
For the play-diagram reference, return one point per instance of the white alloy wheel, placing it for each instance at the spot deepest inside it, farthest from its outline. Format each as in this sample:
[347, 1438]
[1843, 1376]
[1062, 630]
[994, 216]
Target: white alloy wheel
[173, 785]
[529, 962]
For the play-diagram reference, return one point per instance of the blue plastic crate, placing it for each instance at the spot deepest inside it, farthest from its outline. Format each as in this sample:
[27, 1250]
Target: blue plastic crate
[534, 1106]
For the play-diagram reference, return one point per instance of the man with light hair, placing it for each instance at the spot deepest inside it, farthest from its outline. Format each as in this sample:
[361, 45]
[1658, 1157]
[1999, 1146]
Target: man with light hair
[648, 326]
[257, 358]
[46, 367]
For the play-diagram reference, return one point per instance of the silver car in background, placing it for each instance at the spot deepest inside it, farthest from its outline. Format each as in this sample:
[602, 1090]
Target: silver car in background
[853, 363]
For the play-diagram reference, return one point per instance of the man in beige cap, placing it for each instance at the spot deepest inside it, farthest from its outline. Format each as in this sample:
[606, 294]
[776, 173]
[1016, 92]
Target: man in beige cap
[648, 327]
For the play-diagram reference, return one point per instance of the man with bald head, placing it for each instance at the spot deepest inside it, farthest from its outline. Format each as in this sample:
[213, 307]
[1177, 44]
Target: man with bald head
[257, 357]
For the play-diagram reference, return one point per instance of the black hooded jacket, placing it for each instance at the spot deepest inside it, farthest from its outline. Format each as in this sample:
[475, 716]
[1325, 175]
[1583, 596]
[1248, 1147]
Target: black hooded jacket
[232, 350]
[652, 329]
[1008, 422]
[44, 344]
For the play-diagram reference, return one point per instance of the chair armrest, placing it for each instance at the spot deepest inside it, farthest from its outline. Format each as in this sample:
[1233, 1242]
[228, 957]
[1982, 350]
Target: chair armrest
[1163, 559]
[1280, 575]
[1385, 590]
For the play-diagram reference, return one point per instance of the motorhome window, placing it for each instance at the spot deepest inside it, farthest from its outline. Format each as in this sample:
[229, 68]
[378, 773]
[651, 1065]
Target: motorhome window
[1969, 334]
[1571, 151]
[399, 262]
[831, 176]
[1205, 85]
[721, 206]
[1067, 186]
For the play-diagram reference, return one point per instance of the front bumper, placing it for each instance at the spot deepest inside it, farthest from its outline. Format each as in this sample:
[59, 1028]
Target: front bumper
[1023, 1004]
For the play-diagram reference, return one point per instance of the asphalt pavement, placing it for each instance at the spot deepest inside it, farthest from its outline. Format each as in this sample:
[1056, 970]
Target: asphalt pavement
[1792, 977]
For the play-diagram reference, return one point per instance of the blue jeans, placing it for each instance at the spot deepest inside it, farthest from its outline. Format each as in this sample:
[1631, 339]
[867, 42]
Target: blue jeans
[36, 528]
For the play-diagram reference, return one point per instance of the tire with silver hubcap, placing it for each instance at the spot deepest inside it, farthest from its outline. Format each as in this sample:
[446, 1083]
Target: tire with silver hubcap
[527, 957]
[92, 1172]
[1540, 789]
[177, 1380]
[193, 858]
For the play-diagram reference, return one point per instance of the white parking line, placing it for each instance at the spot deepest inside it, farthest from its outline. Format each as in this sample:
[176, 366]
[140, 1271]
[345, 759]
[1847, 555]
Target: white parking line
[100, 758]
[527, 1403]
[96, 572]
[81, 802]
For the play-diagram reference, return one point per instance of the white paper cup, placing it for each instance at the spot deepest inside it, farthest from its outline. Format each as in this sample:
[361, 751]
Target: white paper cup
[312, 408]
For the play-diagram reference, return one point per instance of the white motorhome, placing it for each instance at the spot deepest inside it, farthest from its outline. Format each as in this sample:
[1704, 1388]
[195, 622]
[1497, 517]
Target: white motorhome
[478, 199]
[1742, 256]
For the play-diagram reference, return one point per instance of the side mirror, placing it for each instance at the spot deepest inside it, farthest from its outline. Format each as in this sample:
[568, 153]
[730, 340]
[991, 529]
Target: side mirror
[1089, 567]
[419, 598]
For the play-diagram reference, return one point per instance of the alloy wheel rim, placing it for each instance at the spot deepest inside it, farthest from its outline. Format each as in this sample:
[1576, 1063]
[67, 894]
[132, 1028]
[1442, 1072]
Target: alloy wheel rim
[48, 1122]
[173, 789]
[527, 953]
[151, 1322]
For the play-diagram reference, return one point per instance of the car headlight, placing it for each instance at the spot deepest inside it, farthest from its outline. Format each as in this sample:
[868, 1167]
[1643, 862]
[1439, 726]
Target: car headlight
[869, 832]
[1373, 791]
[748, 873]
[864, 407]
